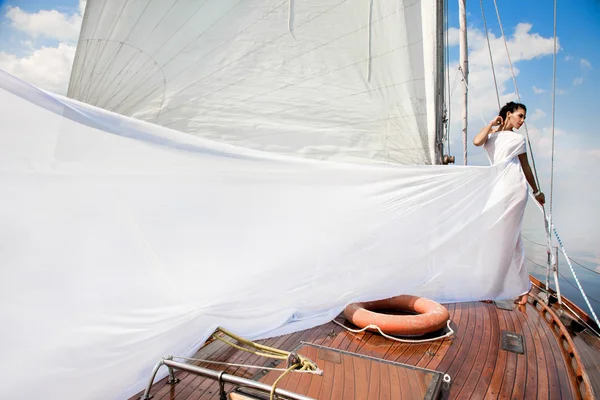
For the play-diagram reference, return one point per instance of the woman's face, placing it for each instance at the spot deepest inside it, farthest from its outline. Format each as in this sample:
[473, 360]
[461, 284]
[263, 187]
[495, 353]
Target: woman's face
[515, 119]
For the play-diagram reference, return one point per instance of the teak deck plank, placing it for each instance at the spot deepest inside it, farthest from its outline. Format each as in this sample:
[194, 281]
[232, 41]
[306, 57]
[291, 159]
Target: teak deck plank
[465, 353]
[479, 368]
[468, 379]
[521, 371]
[491, 357]
[497, 378]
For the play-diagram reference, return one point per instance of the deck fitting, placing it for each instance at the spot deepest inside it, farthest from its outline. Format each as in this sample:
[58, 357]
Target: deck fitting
[504, 304]
[512, 341]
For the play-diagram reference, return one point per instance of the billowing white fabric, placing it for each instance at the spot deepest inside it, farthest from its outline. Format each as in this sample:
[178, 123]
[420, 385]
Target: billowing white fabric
[122, 242]
[328, 79]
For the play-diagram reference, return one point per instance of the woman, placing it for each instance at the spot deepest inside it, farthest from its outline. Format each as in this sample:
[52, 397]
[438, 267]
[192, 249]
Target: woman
[502, 144]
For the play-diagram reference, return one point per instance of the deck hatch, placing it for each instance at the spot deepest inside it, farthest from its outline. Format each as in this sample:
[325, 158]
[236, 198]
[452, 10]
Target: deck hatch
[512, 341]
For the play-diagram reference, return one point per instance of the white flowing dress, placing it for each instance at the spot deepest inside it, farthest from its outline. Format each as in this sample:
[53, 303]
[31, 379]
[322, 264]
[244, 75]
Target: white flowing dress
[505, 147]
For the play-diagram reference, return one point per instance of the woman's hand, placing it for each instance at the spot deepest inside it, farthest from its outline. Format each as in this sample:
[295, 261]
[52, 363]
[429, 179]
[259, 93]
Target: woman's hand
[482, 136]
[498, 121]
[541, 198]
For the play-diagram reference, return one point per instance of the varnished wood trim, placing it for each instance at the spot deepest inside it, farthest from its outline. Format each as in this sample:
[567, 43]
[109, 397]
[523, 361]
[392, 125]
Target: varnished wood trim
[576, 309]
[575, 366]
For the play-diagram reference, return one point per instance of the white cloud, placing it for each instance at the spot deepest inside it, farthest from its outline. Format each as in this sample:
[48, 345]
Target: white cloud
[541, 138]
[577, 81]
[523, 45]
[453, 37]
[537, 90]
[568, 58]
[585, 64]
[48, 67]
[28, 44]
[594, 153]
[536, 115]
[48, 23]
[576, 187]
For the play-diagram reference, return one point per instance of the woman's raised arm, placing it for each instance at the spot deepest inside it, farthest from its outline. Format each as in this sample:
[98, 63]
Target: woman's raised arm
[482, 136]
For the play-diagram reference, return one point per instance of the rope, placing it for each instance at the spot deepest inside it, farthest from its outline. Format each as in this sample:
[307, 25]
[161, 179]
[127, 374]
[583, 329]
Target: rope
[372, 326]
[287, 371]
[571, 283]
[565, 278]
[582, 320]
[562, 248]
[258, 353]
[487, 36]
[266, 351]
[576, 315]
[297, 361]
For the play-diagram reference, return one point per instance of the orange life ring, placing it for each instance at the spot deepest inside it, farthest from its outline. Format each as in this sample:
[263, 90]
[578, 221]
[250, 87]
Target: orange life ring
[430, 317]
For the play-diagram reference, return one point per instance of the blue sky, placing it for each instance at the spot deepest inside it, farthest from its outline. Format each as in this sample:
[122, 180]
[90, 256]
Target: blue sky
[11, 38]
[578, 29]
[38, 45]
[577, 143]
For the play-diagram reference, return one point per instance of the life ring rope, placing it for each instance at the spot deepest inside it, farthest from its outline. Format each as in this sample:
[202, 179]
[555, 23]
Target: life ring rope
[448, 334]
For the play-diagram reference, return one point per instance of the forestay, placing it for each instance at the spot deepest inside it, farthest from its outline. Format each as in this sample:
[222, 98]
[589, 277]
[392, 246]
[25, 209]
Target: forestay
[124, 241]
[330, 79]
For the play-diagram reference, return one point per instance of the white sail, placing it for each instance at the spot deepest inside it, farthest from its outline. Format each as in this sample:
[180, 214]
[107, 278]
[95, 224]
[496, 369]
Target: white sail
[330, 79]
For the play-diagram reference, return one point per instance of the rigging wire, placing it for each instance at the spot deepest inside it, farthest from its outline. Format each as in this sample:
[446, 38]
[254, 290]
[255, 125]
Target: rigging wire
[570, 258]
[487, 36]
[584, 267]
[564, 277]
[547, 223]
[512, 71]
[585, 297]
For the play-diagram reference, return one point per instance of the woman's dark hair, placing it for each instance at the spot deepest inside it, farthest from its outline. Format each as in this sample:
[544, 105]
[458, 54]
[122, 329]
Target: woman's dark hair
[511, 107]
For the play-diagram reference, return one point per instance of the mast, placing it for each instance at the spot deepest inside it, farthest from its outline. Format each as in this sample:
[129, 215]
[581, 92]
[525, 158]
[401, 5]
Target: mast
[464, 67]
[439, 82]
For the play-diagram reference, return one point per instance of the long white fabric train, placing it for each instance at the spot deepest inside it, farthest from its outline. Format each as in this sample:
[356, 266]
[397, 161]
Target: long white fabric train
[124, 241]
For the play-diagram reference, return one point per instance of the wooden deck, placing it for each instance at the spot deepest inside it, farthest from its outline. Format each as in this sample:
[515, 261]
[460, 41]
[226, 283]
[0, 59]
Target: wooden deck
[473, 358]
